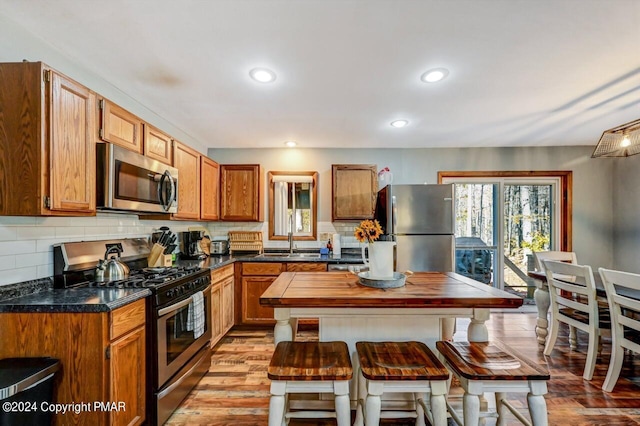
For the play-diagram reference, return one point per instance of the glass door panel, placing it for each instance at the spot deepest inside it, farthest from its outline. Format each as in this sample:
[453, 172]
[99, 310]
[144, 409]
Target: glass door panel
[528, 227]
[475, 231]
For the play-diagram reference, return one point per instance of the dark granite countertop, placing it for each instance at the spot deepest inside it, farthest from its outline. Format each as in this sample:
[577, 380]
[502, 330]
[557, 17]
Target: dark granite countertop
[38, 296]
[81, 299]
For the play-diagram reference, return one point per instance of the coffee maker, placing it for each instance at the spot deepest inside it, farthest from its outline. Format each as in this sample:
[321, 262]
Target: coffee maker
[191, 245]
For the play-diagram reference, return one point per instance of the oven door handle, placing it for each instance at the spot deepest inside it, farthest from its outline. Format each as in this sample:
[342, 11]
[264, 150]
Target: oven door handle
[180, 380]
[162, 312]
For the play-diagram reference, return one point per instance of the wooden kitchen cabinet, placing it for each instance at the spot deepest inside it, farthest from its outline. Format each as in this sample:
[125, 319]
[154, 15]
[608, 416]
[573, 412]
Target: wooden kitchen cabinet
[187, 161]
[102, 356]
[209, 189]
[158, 145]
[353, 191]
[255, 278]
[241, 193]
[222, 302]
[120, 127]
[47, 146]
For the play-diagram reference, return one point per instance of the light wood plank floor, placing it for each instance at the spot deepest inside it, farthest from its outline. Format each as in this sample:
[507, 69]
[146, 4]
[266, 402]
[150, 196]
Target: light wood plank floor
[236, 389]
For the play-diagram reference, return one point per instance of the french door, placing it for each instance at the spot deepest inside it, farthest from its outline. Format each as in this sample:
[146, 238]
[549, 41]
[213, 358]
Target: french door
[501, 220]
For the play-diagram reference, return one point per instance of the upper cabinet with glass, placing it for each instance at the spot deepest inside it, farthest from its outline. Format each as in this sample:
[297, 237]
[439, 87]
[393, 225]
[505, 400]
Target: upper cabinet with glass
[293, 205]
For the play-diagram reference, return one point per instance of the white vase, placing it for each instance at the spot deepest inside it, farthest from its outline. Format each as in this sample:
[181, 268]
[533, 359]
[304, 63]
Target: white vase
[380, 259]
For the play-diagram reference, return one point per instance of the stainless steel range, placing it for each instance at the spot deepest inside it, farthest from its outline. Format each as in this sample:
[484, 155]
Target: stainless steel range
[177, 354]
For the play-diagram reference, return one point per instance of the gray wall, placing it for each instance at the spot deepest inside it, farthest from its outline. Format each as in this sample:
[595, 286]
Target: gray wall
[625, 186]
[592, 196]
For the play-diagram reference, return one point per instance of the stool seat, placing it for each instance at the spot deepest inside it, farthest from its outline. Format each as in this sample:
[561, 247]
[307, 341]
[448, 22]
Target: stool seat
[309, 367]
[399, 361]
[489, 361]
[408, 368]
[309, 361]
[492, 367]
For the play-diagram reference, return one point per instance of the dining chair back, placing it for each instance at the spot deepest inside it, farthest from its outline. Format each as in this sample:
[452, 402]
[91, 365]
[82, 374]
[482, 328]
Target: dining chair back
[572, 291]
[625, 319]
[560, 256]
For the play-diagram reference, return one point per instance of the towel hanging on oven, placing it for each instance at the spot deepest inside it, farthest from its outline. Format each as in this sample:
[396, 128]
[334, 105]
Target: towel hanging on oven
[196, 315]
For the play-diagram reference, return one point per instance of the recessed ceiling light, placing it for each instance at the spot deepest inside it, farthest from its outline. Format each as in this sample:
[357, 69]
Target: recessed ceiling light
[434, 75]
[262, 75]
[290, 144]
[399, 123]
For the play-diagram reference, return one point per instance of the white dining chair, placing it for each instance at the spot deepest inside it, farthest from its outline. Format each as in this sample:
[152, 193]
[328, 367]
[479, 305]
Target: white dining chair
[560, 256]
[625, 319]
[572, 291]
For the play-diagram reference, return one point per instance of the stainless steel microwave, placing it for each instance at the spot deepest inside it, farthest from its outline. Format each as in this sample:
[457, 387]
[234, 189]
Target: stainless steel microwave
[128, 181]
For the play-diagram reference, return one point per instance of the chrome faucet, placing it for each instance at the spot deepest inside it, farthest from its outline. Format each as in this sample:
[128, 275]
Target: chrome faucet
[290, 235]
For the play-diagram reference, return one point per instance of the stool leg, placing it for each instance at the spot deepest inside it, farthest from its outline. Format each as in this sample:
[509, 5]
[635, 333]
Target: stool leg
[342, 402]
[373, 404]
[537, 410]
[362, 396]
[471, 409]
[500, 408]
[439, 403]
[420, 399]
[277, 403]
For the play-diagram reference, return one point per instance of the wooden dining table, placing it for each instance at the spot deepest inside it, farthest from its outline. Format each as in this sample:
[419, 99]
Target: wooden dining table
[351, 312]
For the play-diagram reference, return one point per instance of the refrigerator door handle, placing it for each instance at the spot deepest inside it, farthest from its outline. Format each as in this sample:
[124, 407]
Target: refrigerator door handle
[394, 213]
[448, 199]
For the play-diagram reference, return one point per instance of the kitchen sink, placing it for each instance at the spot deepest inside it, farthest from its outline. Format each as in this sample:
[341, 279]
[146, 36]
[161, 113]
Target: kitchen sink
[293, 255]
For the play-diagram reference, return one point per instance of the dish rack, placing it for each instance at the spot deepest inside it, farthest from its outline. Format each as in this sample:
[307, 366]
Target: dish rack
[245, 241]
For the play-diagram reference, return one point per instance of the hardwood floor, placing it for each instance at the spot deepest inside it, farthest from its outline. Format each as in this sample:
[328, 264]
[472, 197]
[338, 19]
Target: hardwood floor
[236, 389]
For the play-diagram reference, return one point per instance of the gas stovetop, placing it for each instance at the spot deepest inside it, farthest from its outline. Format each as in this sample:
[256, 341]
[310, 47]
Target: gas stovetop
[150, 277]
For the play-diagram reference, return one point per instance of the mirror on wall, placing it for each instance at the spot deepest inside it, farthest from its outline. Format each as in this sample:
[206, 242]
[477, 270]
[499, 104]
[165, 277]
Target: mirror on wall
[293, 205]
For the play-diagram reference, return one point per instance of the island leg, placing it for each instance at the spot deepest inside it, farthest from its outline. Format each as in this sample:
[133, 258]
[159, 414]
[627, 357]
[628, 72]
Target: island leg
[477, 331]
[541, 296]
[282, 331]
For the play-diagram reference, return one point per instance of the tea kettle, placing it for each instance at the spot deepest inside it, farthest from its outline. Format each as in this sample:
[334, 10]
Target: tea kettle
[111, 269]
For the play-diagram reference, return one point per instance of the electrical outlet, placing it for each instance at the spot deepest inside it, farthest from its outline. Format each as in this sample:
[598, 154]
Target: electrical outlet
[324, 236]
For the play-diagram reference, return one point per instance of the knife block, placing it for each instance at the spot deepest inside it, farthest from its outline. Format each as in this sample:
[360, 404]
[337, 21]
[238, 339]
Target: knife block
[157, 258]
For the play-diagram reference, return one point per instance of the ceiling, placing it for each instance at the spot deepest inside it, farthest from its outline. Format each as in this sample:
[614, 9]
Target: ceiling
[521, 72]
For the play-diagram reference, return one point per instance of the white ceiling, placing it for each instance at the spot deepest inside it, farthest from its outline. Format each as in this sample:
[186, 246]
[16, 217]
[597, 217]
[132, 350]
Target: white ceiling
[522, 72]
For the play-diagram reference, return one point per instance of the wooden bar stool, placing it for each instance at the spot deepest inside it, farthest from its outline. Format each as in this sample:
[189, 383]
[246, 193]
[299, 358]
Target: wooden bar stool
[400, 367]
[490, 367]
[309, 367]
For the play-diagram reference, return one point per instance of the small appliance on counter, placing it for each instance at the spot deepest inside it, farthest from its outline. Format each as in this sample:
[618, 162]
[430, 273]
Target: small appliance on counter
[219, 246]
[190, 245]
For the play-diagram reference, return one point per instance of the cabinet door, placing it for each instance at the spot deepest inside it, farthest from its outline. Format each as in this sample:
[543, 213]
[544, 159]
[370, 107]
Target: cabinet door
[354, 191]
[209, 184]
[72, 159]
[217, 328]
[120, 127]
[157, 145]
[187, 161]
[306, 267]
[240, 193]
[128, 369]
[252, 311]
[227, 304]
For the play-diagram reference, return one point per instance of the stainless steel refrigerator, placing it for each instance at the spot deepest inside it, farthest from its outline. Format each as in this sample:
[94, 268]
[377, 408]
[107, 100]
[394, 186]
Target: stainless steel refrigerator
[420, 218]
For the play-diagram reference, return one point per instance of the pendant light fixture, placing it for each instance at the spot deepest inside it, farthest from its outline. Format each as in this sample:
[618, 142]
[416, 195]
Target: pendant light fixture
[621, 141]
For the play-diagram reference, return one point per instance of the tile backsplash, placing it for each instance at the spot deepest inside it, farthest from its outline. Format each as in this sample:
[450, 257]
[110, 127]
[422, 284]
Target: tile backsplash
[26, 243]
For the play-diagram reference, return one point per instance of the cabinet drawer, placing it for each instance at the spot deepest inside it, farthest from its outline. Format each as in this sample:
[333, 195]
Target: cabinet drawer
[250, 268]
[306, 267]
[127, 318]
[221, 273]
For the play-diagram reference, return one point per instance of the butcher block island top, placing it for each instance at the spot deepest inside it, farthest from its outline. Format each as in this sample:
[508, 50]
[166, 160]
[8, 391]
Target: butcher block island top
[422, 290]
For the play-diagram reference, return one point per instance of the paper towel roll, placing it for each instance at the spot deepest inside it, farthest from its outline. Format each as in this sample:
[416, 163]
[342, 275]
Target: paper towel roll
[335, 243]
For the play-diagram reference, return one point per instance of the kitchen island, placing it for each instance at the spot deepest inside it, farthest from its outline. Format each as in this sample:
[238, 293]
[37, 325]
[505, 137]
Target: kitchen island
[351, 312]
